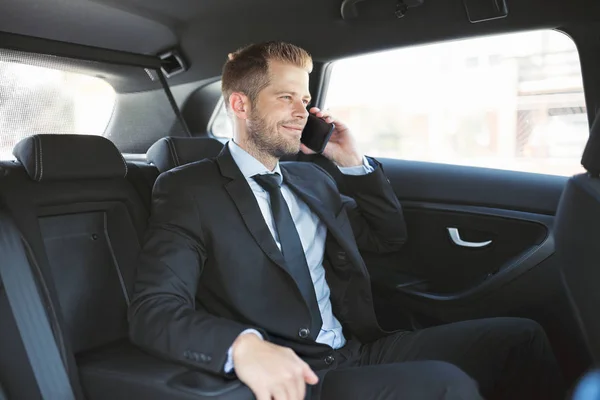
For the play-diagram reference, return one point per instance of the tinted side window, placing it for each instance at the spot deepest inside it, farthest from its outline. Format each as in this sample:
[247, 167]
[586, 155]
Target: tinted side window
[36, 99]
[512, 101]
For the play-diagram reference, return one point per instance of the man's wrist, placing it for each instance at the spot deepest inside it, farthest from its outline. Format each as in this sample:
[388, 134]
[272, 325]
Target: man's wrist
[245, 336]
[364, 168]
[351, 161]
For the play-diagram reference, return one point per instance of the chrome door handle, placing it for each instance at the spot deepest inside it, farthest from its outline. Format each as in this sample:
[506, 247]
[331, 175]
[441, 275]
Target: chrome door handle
[455, 236]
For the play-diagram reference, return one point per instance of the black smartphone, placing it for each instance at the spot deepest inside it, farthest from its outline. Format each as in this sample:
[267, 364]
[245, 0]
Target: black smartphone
[316, 133]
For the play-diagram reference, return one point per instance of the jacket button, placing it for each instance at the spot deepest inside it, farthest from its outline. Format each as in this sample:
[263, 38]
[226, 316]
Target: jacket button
[341, 255]
[303, 333]
[205, 358]
[187, 354]
[329, 360]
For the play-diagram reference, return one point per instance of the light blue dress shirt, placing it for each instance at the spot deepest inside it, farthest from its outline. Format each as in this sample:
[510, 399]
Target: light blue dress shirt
[312, 232]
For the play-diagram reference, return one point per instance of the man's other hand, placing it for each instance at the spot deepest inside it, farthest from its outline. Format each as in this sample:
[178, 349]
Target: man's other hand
[271, 371]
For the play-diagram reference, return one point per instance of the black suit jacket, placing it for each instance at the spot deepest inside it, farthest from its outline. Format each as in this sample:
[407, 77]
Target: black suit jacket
[210, 267]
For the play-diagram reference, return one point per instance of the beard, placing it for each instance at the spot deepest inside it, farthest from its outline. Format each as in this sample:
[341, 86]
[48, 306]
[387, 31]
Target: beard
[266, 138]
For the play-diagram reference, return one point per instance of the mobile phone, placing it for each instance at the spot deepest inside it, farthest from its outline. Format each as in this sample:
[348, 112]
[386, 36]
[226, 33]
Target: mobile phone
[316, 133]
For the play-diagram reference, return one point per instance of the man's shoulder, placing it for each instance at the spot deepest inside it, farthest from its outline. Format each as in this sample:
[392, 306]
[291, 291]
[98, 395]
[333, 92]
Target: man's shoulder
[302, 167]
[306, 169]
[198, 173]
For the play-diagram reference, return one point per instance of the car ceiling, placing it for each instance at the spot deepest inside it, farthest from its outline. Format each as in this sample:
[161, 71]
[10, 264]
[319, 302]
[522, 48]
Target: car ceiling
[206, 30]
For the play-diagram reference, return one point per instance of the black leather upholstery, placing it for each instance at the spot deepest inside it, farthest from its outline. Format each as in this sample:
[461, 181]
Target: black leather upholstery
[61, 157]
[123, 372]
[577, 230]
[576, 233]
[171, 152]
[591, 155]
[86, 235]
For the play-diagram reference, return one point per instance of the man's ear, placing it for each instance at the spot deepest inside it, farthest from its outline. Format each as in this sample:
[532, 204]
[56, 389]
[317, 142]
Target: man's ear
[239, 104]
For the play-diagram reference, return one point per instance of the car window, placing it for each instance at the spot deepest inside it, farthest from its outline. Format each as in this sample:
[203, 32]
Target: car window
[38, 100]
[220, 125]
[511, 101]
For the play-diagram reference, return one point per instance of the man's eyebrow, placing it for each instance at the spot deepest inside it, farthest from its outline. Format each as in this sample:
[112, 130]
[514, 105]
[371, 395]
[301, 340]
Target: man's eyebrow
[292, 93]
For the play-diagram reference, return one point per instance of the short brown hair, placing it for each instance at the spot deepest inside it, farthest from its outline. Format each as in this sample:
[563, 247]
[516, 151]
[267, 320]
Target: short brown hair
[247, 70]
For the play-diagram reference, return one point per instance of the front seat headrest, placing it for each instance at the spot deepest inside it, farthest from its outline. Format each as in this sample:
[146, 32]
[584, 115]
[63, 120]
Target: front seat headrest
[170, 152]
[591, 155]
[52, 157]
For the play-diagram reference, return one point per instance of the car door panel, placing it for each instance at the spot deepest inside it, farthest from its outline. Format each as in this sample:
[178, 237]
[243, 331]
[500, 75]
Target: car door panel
[512, 210]
[436, 268]
[433, 281]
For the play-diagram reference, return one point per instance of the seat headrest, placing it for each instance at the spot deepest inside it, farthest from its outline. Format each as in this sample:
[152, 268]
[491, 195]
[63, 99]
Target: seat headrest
[591, 155]
[51, 157]
[170, 152]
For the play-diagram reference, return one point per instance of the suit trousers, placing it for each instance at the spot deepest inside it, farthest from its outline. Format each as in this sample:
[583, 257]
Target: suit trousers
[494, 358]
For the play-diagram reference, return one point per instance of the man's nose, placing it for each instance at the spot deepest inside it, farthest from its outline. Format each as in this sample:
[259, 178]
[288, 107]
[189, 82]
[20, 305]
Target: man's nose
[300, 110]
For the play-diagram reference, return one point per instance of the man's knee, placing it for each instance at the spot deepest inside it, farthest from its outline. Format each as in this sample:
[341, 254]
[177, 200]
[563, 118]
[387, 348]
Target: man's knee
[451, 381]
[437, 380]
[512, 329]
[524, 330]
[527, 324]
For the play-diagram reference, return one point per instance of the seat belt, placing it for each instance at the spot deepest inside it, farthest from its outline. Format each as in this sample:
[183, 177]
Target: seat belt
[30, 315]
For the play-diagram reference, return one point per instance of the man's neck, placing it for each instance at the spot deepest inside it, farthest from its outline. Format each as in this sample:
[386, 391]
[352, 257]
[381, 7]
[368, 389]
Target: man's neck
[264, 158]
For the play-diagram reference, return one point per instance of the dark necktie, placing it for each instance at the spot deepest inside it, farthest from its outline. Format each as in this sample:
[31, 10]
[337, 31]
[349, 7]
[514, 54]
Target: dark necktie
[291, 247]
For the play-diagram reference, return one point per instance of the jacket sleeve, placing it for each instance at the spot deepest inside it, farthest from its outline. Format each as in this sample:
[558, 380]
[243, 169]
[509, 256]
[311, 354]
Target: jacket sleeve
[374, 211]
[164, 316]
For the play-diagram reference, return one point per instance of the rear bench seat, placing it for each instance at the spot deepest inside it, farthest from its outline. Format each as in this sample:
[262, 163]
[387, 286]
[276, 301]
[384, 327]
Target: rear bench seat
[171, 152]
[84, 221]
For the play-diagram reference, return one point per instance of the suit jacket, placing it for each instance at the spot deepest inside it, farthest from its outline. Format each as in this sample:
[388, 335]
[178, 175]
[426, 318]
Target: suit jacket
[210, 267]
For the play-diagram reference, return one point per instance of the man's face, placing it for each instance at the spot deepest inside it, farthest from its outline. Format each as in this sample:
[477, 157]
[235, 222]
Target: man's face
[279, 113]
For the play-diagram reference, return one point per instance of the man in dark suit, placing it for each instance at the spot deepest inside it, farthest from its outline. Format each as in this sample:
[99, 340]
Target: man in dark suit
[251, 268]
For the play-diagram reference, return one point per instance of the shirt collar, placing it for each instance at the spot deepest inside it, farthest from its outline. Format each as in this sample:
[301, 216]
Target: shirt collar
[249, 165]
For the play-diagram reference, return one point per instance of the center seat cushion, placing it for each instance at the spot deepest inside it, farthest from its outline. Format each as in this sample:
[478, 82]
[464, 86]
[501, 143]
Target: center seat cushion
[87, 225]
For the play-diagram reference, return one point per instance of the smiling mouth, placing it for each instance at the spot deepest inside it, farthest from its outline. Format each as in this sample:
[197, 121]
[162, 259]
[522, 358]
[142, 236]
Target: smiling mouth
[296, 130]
[293, 128]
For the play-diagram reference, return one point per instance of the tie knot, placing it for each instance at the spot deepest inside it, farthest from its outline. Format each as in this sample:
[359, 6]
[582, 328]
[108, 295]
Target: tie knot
[269, 182]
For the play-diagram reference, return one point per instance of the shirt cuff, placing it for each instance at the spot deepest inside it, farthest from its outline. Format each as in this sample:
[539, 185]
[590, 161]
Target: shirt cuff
[363, 169]
[229, 362]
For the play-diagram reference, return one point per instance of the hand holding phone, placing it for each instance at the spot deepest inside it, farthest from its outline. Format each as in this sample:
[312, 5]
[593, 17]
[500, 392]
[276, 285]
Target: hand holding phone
[316, 133]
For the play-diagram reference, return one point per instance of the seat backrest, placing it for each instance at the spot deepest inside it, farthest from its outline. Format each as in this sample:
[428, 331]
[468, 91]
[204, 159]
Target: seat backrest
[576, 233]
[84, 220]
[171, 152]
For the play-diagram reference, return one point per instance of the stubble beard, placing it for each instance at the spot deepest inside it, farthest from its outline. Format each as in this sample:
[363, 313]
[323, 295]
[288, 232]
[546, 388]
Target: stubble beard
[267, 140]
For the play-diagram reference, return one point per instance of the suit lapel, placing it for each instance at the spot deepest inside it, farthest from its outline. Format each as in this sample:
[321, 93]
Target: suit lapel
[246, 203]
[302, 188]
